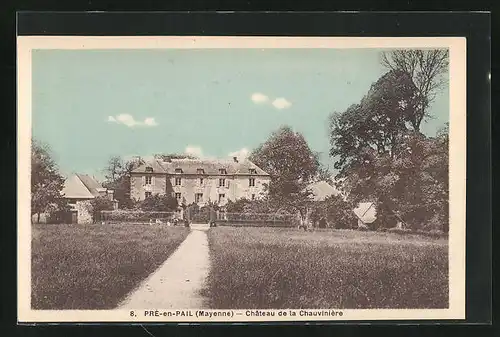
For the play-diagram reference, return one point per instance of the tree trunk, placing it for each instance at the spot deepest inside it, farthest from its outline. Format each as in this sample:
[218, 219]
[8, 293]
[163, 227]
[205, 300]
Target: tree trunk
[38, 218]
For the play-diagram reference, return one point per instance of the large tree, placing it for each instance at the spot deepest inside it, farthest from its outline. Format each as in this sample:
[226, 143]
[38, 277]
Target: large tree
[427, 69]
[380, 156]
[117, 174]
[46, 181]
[377, 125]
[292, 165]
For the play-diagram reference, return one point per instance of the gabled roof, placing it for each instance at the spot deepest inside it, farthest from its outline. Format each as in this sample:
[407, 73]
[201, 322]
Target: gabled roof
[209, 166]
[80, 186]
[322, 190]
[91, 184]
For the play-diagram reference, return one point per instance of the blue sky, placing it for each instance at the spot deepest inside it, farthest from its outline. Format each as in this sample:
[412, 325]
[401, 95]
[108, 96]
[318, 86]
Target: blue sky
[91, 104]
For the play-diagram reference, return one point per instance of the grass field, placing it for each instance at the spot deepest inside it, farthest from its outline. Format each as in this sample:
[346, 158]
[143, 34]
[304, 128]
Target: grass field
[94, 267]
[286, 268]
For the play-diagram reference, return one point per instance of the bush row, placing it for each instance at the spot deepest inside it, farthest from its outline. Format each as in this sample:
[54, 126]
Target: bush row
[121, 215]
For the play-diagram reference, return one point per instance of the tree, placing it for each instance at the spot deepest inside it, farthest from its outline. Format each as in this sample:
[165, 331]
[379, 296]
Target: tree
[426, 69]
[325, 174]
[114, 169]
[99, 204]
[46, 181]
[237, 206]
[335, 210]
[382, 158]
[159, 203]
[286, 156]
[292, 165]
[375, 126]
[117, 174]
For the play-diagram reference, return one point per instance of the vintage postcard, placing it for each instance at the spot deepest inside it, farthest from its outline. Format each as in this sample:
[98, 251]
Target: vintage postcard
[241, 179]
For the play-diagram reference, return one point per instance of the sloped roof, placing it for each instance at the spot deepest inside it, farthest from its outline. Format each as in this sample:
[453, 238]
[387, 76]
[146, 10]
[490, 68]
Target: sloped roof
[155, 164]
[322, 190]
[92, 185]
[81, 186]
[366, 212]
[209, 166]
[74, 188]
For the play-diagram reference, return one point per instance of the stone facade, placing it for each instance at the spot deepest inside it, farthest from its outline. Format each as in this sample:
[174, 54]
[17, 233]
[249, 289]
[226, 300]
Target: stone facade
[199, 181]
[138, 186]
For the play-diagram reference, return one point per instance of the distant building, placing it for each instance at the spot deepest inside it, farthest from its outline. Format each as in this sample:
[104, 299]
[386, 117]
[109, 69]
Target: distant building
[79, 190]
[199, 180]
[366, 213]
[321, 190]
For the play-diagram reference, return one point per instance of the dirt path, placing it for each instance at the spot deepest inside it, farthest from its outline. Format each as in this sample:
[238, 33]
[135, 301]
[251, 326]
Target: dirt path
[177, 282]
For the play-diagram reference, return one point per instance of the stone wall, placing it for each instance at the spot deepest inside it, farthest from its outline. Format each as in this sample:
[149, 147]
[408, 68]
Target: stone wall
[84, 211]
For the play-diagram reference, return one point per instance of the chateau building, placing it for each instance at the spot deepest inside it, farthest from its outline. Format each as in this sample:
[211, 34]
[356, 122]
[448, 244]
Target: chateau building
[199, 181]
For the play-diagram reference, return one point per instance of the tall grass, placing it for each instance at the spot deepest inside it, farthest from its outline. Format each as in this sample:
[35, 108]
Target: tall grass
[285, 268]
[94, 267]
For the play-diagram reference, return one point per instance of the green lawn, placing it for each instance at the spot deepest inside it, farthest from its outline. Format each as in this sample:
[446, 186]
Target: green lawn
[94, 267]
[287, 268]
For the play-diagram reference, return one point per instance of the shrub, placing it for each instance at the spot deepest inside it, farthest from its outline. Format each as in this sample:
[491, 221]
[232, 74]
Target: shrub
[159, 203]
[135, 216]
[99, 204]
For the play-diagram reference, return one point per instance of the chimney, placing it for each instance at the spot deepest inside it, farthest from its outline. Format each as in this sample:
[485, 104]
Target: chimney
[235, 159]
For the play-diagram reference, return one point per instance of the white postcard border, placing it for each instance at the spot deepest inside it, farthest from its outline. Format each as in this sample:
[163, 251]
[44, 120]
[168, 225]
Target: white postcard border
[457, 171]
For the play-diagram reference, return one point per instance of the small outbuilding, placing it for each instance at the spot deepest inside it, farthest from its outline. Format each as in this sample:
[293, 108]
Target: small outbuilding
[366, 212]
[79, 190]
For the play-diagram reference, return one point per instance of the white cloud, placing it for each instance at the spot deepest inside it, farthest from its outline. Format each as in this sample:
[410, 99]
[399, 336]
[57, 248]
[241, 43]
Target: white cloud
[281, 103]
[259, 98]
[150, 121]
[129, 120]
[241, 154]
[194, 151]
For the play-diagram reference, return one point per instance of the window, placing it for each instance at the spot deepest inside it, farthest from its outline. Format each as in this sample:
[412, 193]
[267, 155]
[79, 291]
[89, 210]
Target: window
[147, 194]
[148, 180]
[253, 196]
[251, 182]
[222, 197]
[222, 182]
[198, 197]
[178, 170]
[201, 181]
[177, 181]
[178, 196]
[253, 171]
[222, 171]
[149, 169]
[200, 171]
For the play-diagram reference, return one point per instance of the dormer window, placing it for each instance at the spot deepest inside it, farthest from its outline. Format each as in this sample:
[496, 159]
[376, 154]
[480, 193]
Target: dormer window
[222, 171]
[149, 169]
[178, 170]
[253, 171]
[200, 171]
